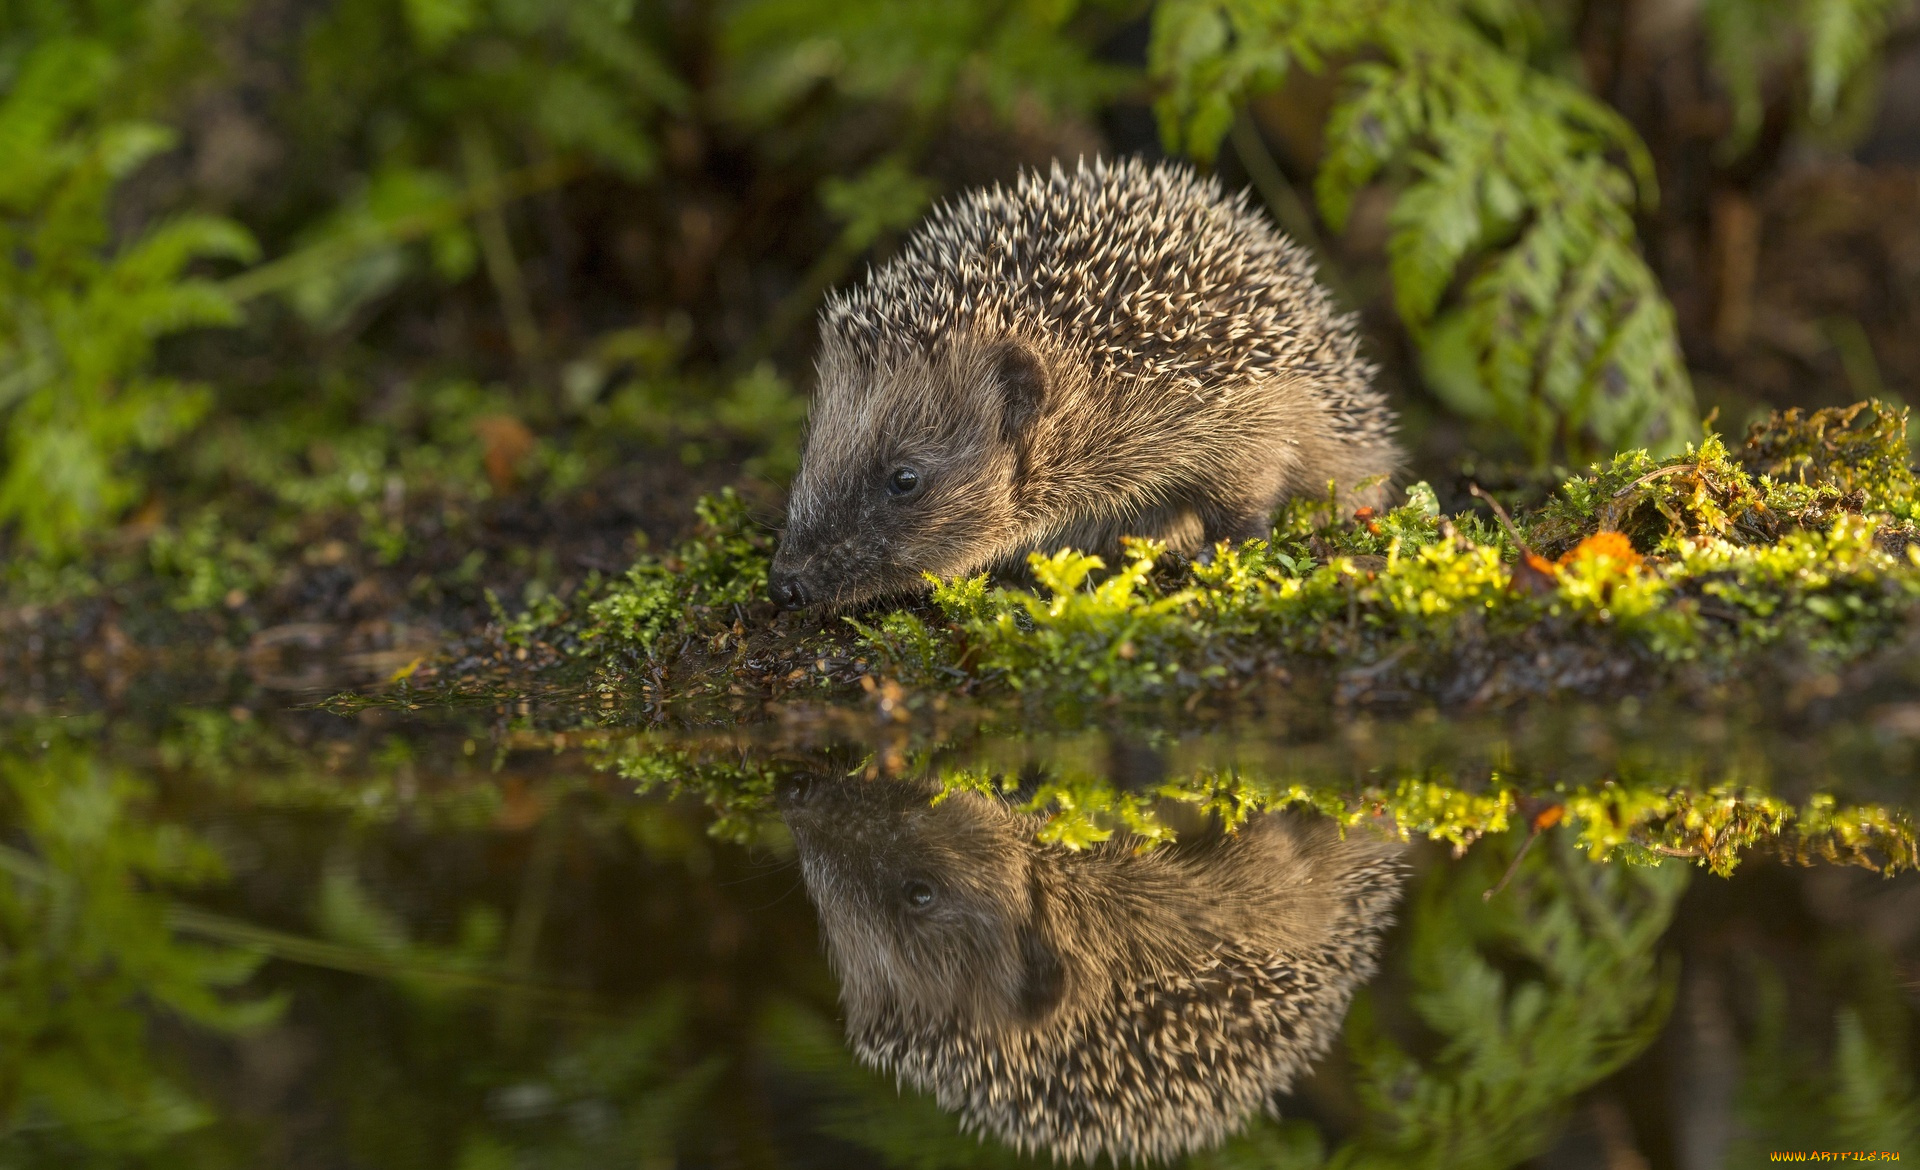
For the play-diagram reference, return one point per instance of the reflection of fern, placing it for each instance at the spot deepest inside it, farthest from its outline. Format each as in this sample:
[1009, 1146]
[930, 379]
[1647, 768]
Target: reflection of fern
[1864, 1099]
[88, 954]
[1875, 1106]
[1517, 1048]
[1517, 185]
[619, 1098]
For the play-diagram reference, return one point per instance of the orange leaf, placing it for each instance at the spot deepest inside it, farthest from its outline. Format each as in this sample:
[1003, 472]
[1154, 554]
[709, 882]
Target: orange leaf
[505, 441]
[1534, 573]
[1612, 545]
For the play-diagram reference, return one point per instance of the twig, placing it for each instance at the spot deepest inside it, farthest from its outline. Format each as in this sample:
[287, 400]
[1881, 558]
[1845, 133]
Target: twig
[1545, 819]
[1500, 514]
[529, 915]
[1671, 851]
[1656, 473]
[496, 249]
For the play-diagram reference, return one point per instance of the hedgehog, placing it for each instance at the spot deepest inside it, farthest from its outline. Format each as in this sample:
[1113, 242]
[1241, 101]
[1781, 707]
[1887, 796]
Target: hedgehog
[1119, 350]
[1141, 1005]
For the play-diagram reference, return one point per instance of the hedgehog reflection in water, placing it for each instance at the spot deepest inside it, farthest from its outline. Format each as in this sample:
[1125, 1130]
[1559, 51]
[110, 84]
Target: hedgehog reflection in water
[1141, 1005]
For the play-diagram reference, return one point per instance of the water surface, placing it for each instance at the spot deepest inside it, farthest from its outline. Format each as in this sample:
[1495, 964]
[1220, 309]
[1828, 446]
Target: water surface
[244, 930]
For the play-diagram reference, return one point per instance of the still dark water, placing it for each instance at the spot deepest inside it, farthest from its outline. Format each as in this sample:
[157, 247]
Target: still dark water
[242, 932]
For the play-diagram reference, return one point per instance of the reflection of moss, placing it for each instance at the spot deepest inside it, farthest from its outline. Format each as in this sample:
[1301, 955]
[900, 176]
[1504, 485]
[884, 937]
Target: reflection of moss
[1637, 821]
[739, 789]
[1637, 790]
[1635, 813]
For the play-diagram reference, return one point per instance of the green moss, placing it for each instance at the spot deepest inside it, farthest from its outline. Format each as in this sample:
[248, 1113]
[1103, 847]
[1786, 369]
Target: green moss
[724, 565]
[1794, 472]
[203, 562]
[1860, 448]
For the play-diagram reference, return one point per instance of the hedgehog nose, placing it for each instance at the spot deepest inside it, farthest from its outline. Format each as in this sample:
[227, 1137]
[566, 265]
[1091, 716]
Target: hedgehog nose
[787, 592]
[795, 791]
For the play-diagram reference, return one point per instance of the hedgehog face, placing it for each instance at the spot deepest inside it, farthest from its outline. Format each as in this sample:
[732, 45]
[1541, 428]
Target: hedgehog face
[911, 467]
[927, 909]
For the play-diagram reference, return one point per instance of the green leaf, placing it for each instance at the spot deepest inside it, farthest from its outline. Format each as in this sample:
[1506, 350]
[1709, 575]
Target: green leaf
[436, 22]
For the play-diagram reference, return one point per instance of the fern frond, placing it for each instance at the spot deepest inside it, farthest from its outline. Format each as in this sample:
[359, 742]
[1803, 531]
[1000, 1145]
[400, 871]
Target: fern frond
[1833, 40]
[1512, 234]
[1842, 37]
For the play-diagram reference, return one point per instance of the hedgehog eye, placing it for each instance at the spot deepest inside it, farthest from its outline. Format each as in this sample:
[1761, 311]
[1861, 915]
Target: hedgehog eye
[916, 894]
[903, 482]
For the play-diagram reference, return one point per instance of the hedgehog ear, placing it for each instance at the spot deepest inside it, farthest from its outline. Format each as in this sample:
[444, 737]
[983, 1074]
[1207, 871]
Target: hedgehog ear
[1023, 389]
[1043, 978]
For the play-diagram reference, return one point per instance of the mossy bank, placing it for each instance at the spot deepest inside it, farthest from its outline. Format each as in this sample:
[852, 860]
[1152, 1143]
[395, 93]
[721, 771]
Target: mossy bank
[1790, 551]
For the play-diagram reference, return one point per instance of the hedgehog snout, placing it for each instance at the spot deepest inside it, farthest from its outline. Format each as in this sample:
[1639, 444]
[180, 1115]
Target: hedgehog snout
[833, 570]
[786, 590]
[786, 583]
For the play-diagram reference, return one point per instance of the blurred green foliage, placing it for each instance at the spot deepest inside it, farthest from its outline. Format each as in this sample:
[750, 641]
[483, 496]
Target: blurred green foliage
[922, 55]
[1833, 44]
[82, 311]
